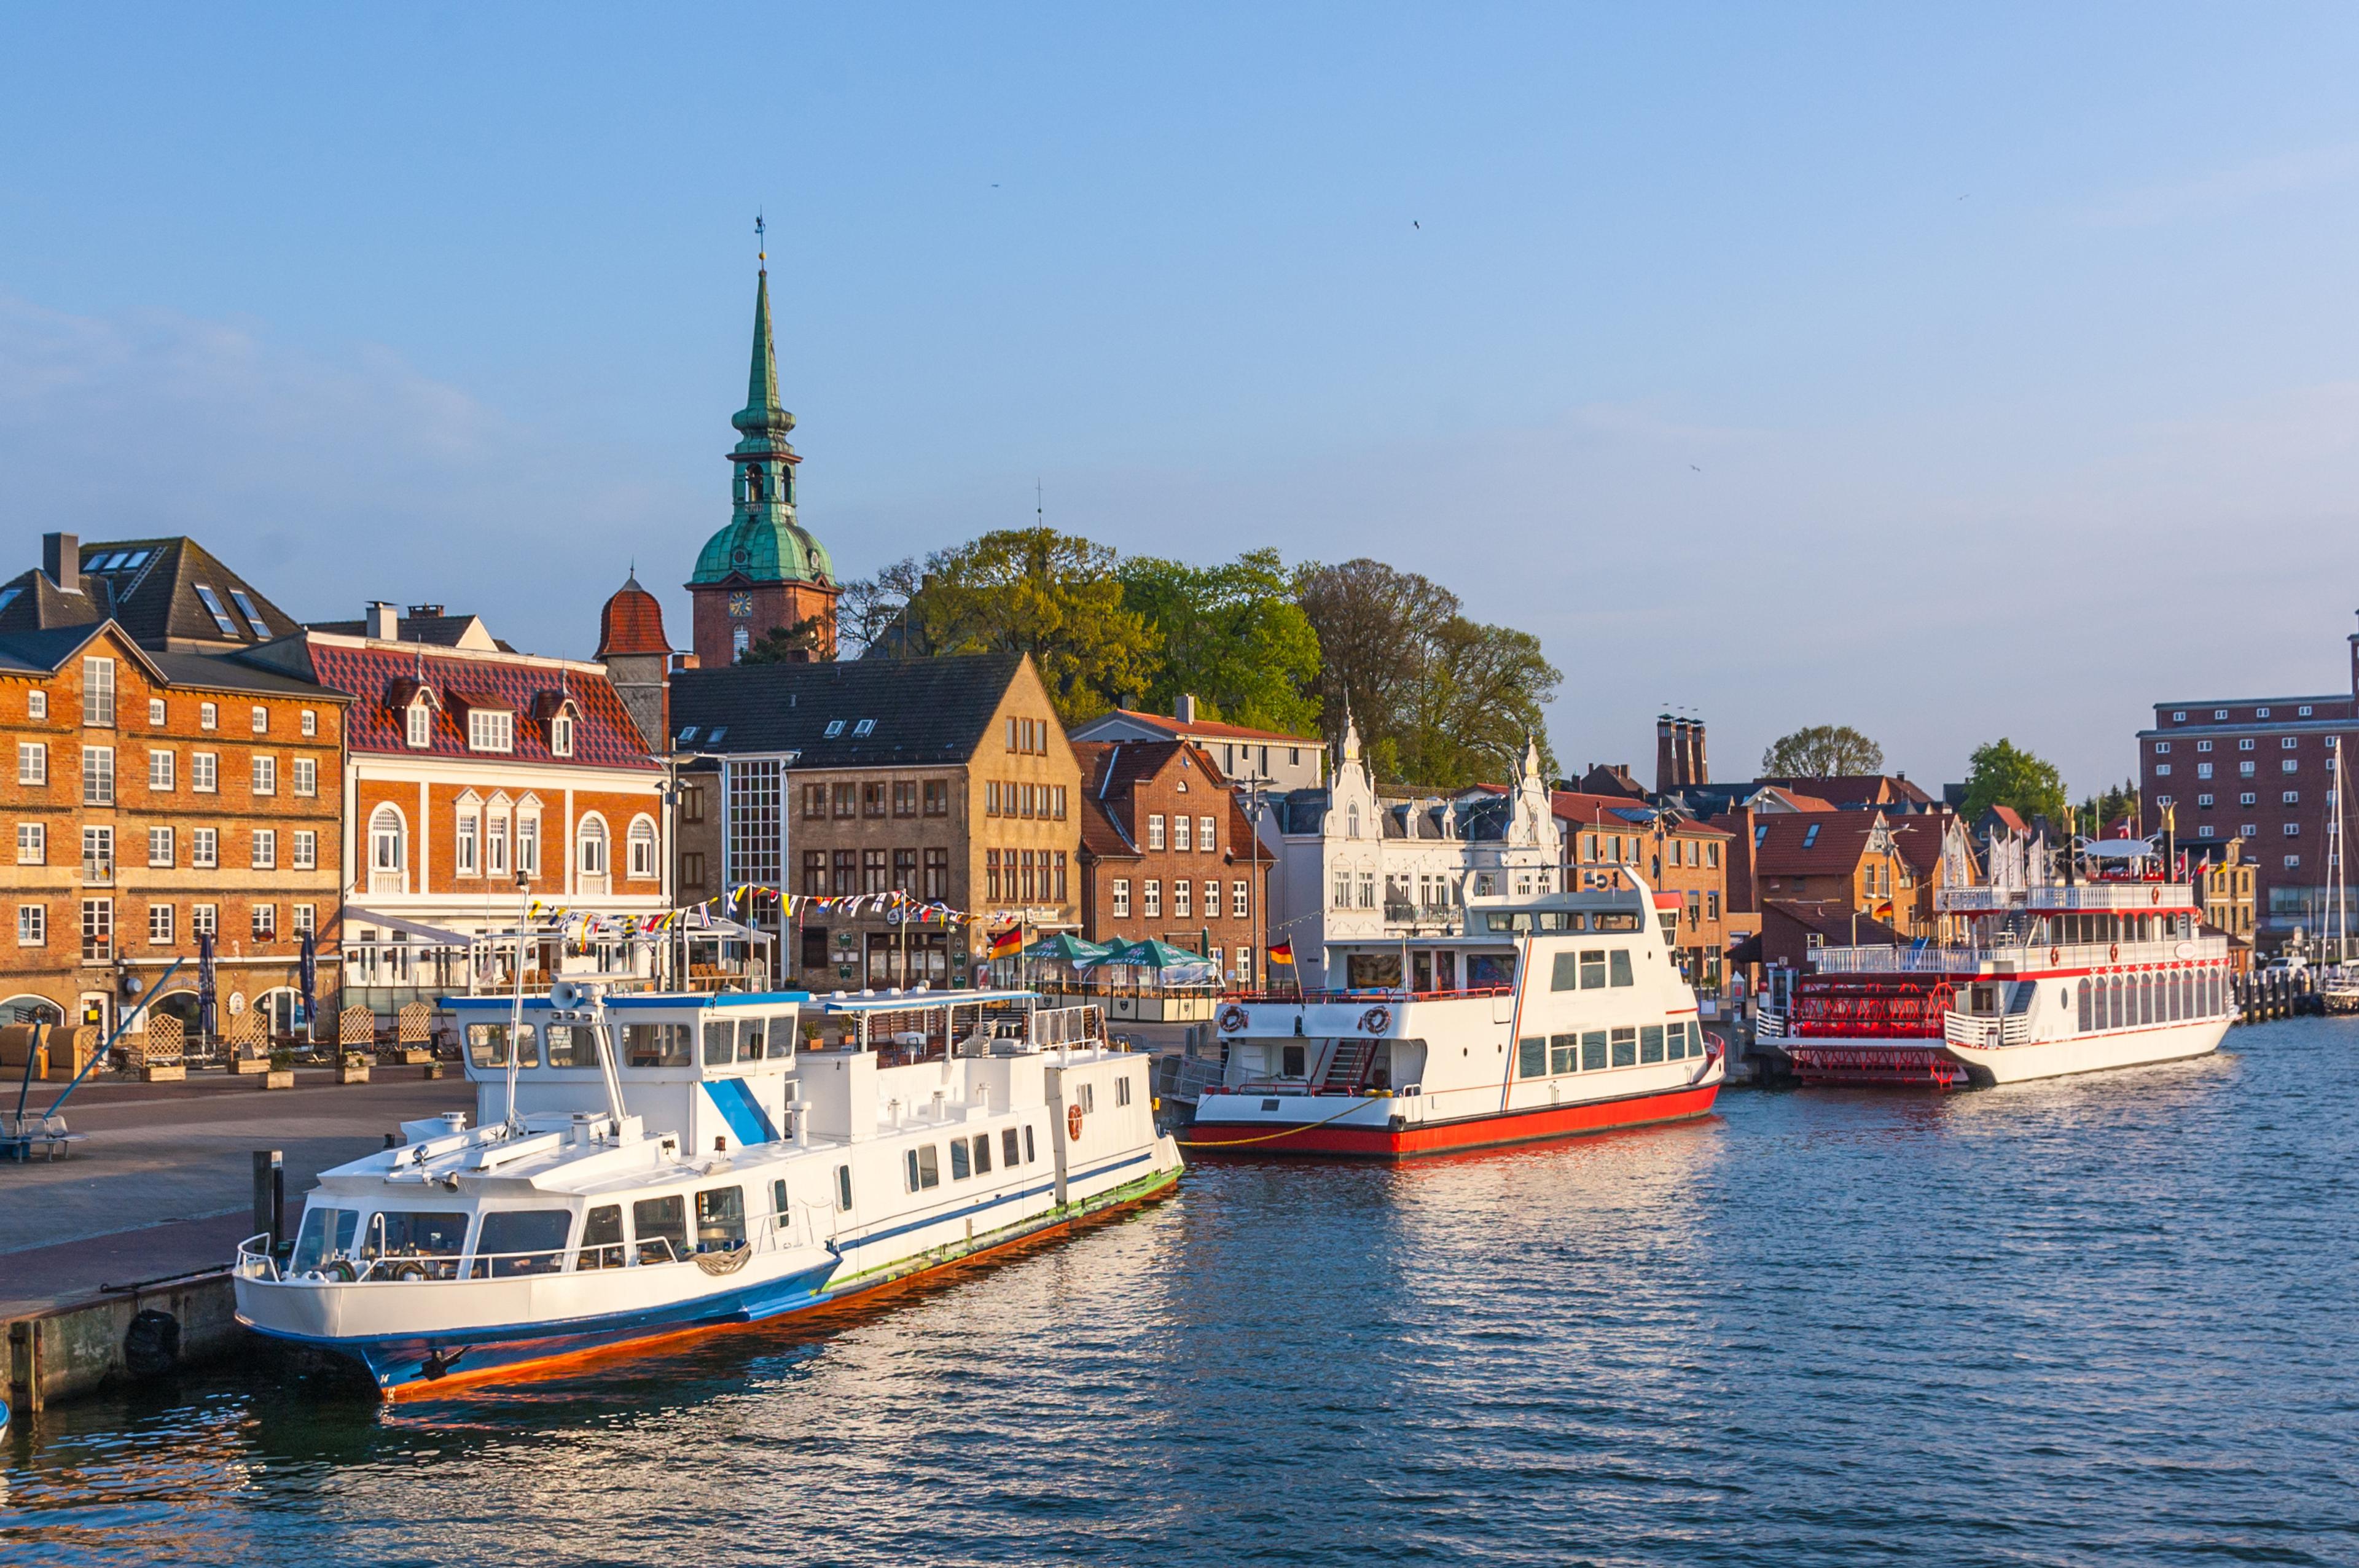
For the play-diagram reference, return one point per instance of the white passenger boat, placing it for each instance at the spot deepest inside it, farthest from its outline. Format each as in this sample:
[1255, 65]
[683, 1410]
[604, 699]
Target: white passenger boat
[650, 1164]
[1569, 1016]
[2107, 970]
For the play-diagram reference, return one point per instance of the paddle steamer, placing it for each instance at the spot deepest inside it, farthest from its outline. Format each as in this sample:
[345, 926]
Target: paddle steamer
[908, 1132]
[2109, 968]
[1568, 1015]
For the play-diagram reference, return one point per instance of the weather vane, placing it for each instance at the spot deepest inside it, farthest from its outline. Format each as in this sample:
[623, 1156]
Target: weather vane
[761, 245]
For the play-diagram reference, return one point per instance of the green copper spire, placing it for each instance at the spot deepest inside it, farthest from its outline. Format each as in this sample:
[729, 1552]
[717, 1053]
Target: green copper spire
[764, 541]
[762, 411]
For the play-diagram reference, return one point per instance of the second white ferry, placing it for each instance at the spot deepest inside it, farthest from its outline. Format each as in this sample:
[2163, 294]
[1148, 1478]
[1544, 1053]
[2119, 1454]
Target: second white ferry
[1573, 1019]
[646, 1165]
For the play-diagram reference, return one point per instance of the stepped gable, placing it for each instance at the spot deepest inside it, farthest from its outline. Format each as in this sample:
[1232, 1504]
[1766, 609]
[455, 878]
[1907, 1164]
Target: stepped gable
[382, 679]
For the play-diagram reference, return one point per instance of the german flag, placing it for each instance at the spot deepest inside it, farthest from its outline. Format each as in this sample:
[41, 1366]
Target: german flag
[1282, 953]
[1008, 943]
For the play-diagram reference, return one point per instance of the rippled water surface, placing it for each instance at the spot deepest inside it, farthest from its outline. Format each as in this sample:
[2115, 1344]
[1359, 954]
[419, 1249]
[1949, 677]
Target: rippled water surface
[2107, 1320]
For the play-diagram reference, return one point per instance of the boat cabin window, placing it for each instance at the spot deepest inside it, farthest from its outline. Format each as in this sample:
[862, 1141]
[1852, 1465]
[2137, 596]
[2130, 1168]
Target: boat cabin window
[1593, 969]
[1290, 1063]
[843, 1187]
[1620, 958]
[720, 1041]
[327, 1233]
[655, 1044]
[982, 1154]
[1650, 1043]
[396, 1234]
[1564, 973]
[962, 1160]
[922, 1168]
[1008, 1152]
[750, 1031]
[1486, 970]
[1562, 920]
[1625, 1047]
[487, 1045]
[782, 1038]
[1508, 920]
[1593, 1051]
[570, 1045]
[601, 1238]
[1677, 1037]
[1027, 1143]
[661, 1223]
[1532, 1057]
[522, 1242]
[779, 1199]
[1373, 971]
[1616, 920]
[1564, 1053]
[720, 1219]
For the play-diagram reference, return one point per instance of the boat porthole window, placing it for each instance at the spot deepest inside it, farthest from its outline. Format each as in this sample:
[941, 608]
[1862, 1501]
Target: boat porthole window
[844, 1187]
[1027, 1144]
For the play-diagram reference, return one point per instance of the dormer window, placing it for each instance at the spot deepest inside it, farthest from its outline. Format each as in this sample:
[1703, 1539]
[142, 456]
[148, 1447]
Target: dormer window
[418, 722]
[561, 735]
[490, 729]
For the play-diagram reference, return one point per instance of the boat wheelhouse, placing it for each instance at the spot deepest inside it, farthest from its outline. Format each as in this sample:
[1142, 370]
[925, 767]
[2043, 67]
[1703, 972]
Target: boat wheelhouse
[644, 1166]
[2109, 968]
[1561, 1013]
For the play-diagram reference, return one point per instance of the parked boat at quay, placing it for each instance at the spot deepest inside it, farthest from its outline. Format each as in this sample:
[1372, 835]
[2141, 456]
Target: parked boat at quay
[914, 1131]
[2107, 970]
[1568, 1015]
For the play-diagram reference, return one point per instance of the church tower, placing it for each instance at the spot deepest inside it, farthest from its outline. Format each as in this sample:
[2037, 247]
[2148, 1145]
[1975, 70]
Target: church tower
[764, 571]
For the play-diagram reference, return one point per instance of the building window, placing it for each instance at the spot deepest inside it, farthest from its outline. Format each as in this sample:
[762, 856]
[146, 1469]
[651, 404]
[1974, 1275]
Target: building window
[2293, 829]
[1182, 897]
[2293, 862]
[265, 849]
[2203, 770]
[2260, 713]
[741, 638]
[2303, 711]
[991, 873]
[1240, 899]
[32, 763]
[98, 775]
[938, 797]
[1342, 895]
[1122, 898]
[208, 715]
[755, 810]
[204, 771]
[471, 827]
[204, 919]
[306, 919]
[1367, 890]
[814, 802]
[32, 925]
[98, 854]
[872, 799]
[2245, 770]
[204, 847]
[1059, 792]
[1155, 830]
[159, 770]
[265, 775]
[2162, 748]
[938, 875]
[2248, 829]
[495, 844]
[159, 925]
[642, 843]
[307, 849]
[1207, 840]
[387, 857]
[2289, 744]
[98, 692]
[37, 704]
[2219, 713]
[2293, 796]
[2244, 745]
[488, 731]
[97, 930]
[847, 871]
[310, 722]
[2162, 770]
[32, 844]
[159, 846]
[1151, 898]
[307, 776]
[904, 797]
[2203, 801]
[265, 922]
[2290, 765]
[561, 736]
[847, 800]
[1211, 899]
[418, 723]
[814, 872]
[1179, 839]
[261, 721]
[691, 872]
[591, 839]
[904, 871]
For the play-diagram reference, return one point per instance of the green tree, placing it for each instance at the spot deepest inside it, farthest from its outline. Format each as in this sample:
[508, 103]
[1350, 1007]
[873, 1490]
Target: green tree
[1823, 751]
[1030, 590]
[1230, 635]
[2003, 774]
[2096, 810]
[1439, 699]
[800, 643]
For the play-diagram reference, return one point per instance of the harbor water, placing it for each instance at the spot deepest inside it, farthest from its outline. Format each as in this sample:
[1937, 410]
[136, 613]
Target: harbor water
[2096, 1321]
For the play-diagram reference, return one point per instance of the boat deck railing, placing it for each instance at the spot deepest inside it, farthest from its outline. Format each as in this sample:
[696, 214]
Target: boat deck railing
[255, 1261]
[1967, 961]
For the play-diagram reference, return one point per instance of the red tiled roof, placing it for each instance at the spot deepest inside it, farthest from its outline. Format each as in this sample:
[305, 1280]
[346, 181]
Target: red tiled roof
[1858, 789]
[604, 737]
[1581, 810]
[1109, 770]
[631, 623]
[2010, 819]
[1212, 729]
[1789, 847]
[1800, 802]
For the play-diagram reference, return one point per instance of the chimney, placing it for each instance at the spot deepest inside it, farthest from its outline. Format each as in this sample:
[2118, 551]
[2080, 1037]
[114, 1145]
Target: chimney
[381, 622]
[1699, 768]
[61, 560]
[1184, 709]
[1667, 753]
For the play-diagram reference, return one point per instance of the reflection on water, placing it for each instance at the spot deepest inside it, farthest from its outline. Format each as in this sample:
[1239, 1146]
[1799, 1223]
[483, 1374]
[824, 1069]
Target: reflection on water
[2094, 1321]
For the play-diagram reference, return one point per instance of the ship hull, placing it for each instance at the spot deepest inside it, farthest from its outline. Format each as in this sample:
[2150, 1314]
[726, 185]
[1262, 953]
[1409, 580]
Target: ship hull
[2091, 1053]
[409, 1363]
[1390, 1138]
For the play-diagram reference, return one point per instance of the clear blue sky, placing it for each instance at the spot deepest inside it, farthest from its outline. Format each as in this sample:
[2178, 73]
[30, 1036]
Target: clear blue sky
[1947, 375]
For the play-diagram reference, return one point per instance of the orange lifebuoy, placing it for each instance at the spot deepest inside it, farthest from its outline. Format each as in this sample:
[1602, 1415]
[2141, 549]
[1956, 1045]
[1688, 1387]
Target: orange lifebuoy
[2055, 956]
[2114, 953]
[2154, 897]
[1073, 1120]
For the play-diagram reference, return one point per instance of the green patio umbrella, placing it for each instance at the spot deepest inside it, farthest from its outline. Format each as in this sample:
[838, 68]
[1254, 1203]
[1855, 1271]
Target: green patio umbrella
[1173, 966]
[1063, 947]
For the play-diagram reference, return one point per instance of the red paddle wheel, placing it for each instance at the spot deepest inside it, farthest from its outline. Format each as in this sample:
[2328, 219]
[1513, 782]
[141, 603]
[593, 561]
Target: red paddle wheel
[1852, 1015]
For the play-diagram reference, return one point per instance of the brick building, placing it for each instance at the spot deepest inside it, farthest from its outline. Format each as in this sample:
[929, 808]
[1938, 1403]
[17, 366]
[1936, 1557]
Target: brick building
[468, 769]
[2260, 770]
[156, 797]
[1275, 760]
[1882, 868]
[948, 780]
[1676, 855]
[1166, 852]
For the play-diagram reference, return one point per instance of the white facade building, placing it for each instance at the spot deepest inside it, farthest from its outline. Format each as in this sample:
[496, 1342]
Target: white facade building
[1366, 883]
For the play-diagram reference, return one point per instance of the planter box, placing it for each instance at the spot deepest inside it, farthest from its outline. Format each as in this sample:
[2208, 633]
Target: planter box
[278, 1079]
[405, 1056]
[352, 1072]
[163, 1073]
[244, 1065]
[430, 1070]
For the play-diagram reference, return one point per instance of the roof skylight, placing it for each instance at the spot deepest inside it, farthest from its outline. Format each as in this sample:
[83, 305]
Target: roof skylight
[212, 602]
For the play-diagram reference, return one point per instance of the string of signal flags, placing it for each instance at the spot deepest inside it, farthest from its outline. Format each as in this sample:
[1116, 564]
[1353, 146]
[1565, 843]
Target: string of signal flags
[894, 905]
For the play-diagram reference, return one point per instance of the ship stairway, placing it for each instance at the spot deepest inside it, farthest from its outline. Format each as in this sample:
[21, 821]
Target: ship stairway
[1347, 1069]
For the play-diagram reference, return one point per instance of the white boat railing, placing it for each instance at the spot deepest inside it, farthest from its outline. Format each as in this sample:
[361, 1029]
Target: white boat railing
[2027, 956]
[255, 1261]
[1768, 1025]
[1063, 1028]
[1986, 1033]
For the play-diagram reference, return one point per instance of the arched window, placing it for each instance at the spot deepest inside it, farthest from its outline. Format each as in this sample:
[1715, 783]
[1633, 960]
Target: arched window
[2086, 1026]
[592, 840]
[739, 639]
[753, 483]
[642, 849]
[388, 850]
